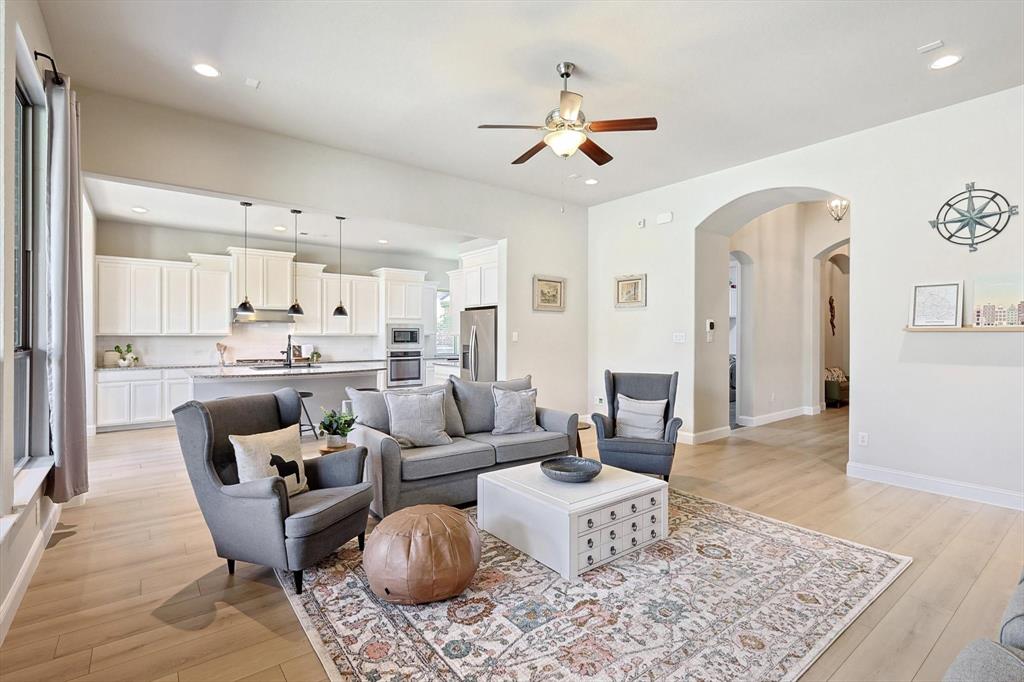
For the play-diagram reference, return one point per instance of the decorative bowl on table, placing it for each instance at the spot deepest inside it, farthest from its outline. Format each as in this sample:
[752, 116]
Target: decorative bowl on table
[570, 469]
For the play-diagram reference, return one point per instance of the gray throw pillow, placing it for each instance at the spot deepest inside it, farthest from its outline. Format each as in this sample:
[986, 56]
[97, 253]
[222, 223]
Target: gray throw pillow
[369, 408]
[476, 403]
[515, 411]
[452, 418]
[639, 418]
[417, 419]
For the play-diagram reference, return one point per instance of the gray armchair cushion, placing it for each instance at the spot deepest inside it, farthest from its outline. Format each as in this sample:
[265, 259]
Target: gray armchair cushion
[986, 661]
[646, 446]
[476, 403]
[512, 447]
[461, 454]
[1011, 629]
[316, 510]
[337, 469]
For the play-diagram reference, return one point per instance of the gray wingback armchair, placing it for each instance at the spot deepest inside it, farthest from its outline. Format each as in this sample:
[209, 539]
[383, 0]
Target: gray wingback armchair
[643, 455]
[256, 521]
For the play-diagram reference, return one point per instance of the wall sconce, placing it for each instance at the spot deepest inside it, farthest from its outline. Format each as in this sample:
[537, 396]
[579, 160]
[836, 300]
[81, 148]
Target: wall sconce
[838, 208]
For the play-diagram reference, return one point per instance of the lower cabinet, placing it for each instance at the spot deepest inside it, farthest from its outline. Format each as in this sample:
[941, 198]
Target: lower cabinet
[176, 392]
[147, 398]
[126, 397]
[113, 404]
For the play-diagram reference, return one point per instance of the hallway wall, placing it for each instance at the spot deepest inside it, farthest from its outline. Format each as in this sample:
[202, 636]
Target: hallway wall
[836, 284]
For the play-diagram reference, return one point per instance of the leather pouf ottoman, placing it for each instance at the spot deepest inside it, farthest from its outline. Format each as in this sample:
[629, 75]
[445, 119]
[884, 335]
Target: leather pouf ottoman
[422, 554]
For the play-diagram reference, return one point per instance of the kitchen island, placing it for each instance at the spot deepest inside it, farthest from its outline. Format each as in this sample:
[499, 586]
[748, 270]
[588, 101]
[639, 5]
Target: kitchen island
[326, 381]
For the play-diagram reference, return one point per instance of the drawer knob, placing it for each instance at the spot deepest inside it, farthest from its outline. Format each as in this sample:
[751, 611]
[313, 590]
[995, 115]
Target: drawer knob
[613, 515]
[654, 519]
[612, 550]
[632, 507]
[590, 523]
[634, 542]
[635, 527]
[654, 533]
[590, 560]
[654, 502]
[590, 543]
[611, 534]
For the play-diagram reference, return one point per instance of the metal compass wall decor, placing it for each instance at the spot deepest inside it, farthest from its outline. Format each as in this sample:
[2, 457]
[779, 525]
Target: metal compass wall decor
[973, 216]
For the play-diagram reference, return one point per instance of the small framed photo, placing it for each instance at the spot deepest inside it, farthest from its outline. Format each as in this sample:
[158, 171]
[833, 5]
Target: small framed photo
[549, 293]
[937, 305]
[631, 291]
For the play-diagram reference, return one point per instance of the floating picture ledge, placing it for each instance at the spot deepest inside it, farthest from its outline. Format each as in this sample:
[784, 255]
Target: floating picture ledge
[963, 329]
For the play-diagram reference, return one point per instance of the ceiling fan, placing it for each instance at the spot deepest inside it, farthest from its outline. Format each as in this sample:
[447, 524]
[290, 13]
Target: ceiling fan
[567, 128]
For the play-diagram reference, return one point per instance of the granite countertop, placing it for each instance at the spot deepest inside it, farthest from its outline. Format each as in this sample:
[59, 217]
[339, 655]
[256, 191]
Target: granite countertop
[229, 366]
[323, 369]
[156, 366]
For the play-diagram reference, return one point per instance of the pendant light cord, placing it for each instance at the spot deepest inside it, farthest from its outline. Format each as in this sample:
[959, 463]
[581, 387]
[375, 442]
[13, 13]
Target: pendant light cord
[245, 247]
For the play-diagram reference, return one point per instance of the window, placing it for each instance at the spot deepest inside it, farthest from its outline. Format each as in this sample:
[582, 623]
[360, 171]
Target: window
[24, 201]
[445, 336]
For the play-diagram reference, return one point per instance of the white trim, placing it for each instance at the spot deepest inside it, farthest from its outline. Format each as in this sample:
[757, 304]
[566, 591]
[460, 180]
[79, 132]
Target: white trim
[1000, 497]
[763, 419]
[14, 596]
[91, 430]
[690, 438]
[26, 70]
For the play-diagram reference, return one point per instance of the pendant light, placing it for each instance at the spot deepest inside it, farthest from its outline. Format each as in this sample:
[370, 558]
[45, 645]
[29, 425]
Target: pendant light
[340, 310]
[245, 307]
[295, 308]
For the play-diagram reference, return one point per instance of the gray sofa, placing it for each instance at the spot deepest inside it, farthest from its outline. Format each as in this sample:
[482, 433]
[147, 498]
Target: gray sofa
[256, 521]
[446, 474]
[986, 661]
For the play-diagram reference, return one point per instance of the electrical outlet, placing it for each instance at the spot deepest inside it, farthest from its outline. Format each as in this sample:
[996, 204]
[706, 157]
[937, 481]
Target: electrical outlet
[641, 223]
[599, 399]
[515, 337]
[862, 438]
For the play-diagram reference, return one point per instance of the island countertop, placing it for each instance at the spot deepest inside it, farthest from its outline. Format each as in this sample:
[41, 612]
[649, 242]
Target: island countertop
[247, 372]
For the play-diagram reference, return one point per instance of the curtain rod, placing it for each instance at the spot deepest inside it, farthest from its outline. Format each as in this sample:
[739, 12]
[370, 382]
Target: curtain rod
[56, 74]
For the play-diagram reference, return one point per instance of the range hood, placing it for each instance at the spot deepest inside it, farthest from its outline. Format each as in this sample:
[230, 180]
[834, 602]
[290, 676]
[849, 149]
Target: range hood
[263, 315]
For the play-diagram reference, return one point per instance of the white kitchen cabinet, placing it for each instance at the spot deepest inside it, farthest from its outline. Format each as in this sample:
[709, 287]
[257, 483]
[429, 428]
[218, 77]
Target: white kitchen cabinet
[335, 288]
[489, 284]
[269, 279]
[474, 288]
[146, 300]
[277, 282]
[394, 300]
[176, 392]
[177, 299]
[429, 309]
[404, 301]
[147, 401]
[365, 309]
[309, 291]
[113, 404]
[414, 301]
[113, 296]
[211, 295]
[457, 292]
[139, 396]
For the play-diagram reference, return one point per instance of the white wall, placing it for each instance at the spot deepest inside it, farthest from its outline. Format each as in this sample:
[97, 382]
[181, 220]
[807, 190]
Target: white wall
[911, 392]
[129, 139]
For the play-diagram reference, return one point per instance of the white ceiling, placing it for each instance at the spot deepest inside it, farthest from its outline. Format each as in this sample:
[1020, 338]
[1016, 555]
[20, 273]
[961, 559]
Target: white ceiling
[113, 200]
[730, 82]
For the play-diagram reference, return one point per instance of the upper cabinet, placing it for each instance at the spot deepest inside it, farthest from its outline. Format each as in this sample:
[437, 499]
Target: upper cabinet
[265, 276]
[403, 293]
[213, 306]
[475, 283]
[365, 308]
[323, 292]
[113, 296]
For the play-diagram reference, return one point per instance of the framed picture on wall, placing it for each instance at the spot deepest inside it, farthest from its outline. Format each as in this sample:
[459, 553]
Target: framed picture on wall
[549, 293]
[631, 291]
[937, 305]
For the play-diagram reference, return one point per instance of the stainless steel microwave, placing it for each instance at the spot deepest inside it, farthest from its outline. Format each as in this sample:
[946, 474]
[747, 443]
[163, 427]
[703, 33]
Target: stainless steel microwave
[405, 337]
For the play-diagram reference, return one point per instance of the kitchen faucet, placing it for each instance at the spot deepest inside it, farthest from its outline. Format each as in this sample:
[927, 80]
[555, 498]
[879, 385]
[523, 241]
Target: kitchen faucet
[288, 353]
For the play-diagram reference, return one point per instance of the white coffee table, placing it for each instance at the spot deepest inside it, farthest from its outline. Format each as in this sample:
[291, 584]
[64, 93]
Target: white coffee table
[572, 527]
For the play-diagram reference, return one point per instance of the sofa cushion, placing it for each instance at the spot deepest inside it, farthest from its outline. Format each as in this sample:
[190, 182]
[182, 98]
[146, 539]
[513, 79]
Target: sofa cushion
[646, 446]
[512, 447]
[316, 510]
[371, 410]
[461, 454]
[476, 403]
[1011, 628]
[514, 411]
[639, 418]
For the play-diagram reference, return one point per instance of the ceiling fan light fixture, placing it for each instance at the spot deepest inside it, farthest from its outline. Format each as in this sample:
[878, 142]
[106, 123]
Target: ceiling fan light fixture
[565, 142]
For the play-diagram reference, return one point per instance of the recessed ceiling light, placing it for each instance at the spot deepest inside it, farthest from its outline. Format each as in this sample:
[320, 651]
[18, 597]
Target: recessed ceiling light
[574, 176]
[140, 209]
[206, 70]
[279, 228]
[382, 241]
[590, 181]
[946, 61]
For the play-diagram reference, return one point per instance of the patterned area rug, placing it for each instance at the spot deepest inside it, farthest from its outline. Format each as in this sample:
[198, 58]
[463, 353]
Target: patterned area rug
[729, 595]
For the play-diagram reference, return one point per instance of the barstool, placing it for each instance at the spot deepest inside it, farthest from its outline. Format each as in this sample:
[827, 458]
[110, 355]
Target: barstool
[310, 426]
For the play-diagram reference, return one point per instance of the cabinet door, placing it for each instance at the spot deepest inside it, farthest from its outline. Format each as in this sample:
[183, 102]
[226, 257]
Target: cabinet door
[429, 310]
[395, 300]
[365, 309]
[147, 401]
[177, 300]
[457, 291]
[113, 404]
[335, 289]
[113, 298]
[248, 279]
[211, 313]
[489, 284]
[473, 285]
[310, 294]
[414, 301]
[176, 392]
[277, 282]
[146, 298]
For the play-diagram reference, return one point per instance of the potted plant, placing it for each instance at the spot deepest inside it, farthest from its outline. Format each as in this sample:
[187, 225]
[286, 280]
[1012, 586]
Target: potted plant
[336, 426]
[126, 355]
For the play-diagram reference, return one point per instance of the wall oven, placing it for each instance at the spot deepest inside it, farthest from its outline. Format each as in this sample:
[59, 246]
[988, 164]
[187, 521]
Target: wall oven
[404, 337]
[405, 368]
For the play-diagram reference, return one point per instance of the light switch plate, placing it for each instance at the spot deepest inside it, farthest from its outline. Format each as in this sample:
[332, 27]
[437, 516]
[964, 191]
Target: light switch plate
[664, 218]
[515, 336]
[641, 223]
[678, 337]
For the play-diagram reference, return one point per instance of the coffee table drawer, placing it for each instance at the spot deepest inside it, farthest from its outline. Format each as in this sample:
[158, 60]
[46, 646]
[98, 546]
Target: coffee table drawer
[642, 504]
[612, 549]
[652, 519]
[588, 559]
[590, 542]
[611, 514]
[633, 525]
[588, 522]
[634, 540]
[651, 533]
[611, 534]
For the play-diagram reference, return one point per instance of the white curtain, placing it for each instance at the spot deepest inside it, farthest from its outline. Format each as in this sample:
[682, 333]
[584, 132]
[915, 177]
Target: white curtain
[65, 352]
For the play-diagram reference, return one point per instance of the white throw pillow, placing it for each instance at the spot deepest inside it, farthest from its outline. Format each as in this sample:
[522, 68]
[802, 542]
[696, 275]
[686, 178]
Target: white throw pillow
[274, 453]
[640, 418]
[514, 411]
[417, 419]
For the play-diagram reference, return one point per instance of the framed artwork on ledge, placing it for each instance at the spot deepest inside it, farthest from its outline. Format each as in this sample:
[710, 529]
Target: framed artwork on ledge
[549, 293]
[937, 305]
[631, 291]
[998, 300]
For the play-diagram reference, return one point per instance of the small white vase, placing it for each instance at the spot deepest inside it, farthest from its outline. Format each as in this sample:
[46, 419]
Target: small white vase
[124, 362]
[335, 441]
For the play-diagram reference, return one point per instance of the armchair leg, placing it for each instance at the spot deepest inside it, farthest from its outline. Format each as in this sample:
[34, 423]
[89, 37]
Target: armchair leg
[297, 576]
[231, 566]
[362, 541]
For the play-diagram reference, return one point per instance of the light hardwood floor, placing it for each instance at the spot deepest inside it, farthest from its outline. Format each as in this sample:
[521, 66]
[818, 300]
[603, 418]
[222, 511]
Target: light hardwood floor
[130, 589]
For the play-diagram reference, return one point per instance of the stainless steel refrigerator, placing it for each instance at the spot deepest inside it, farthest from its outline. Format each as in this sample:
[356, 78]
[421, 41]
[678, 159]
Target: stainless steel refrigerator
[478, 329]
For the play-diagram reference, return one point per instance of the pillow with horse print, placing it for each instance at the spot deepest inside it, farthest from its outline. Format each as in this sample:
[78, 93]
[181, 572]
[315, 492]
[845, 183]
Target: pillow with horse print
[274, 453]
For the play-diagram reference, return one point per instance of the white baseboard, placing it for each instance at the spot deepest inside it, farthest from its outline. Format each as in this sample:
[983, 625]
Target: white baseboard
[763, 419]
[28, 568]
[90, 430]
[999, 497]
[690, 438]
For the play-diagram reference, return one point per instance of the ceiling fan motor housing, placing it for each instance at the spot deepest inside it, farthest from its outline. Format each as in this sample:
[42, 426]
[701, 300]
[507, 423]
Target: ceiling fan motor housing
[554, 121]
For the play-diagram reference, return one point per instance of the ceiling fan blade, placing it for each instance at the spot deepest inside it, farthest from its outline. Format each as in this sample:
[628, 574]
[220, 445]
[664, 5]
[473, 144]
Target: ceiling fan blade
[619, 125]
[596, 154]
[569, 105]
[497, 126]
[529, 154]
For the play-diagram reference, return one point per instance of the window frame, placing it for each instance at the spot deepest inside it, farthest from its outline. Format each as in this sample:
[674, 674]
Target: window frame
[24, 286]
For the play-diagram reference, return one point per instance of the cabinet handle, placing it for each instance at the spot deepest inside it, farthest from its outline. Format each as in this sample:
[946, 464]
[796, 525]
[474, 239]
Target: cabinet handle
[613, 515]
[590, 523]
[654, 501]
[654, 519]
[654, 533]
[612, 550]
[590, 560]
[632, 507]
[611, 535]
[590, 543]
[634, 542]
[635, 528]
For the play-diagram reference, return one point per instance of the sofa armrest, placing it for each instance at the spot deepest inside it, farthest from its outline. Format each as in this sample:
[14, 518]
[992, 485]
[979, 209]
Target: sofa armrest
[384, 467]
[336, 469]
[560, 422]
[672, 429]
[603, 425]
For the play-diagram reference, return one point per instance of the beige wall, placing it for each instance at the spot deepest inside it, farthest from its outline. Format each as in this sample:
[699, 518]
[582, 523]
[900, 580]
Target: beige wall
[836, 284]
